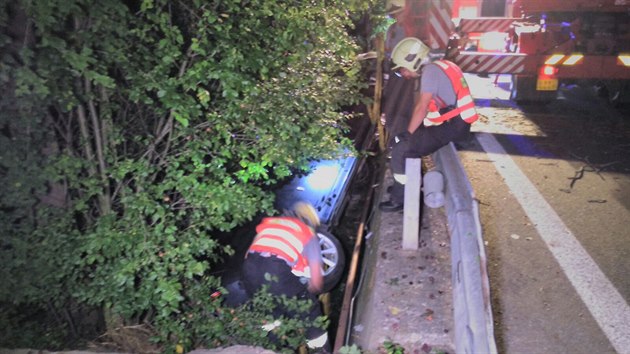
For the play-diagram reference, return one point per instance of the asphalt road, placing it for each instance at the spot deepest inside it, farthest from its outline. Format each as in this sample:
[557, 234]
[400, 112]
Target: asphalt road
[553, 183]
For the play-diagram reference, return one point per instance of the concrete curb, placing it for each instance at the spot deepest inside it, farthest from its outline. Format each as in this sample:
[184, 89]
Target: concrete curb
[474, 330]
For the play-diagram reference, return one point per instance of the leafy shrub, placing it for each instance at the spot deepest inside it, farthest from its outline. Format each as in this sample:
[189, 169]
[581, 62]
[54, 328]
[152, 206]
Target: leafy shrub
[134, 132]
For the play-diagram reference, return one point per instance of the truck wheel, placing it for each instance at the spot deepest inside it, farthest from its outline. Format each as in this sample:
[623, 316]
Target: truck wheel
[334, 259]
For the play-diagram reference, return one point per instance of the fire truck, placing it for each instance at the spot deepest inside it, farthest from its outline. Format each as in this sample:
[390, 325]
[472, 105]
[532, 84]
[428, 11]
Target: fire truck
[543, 44]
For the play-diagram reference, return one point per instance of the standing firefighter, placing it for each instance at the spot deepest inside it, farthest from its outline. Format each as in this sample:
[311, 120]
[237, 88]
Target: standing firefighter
[443, 111]
[397, 100]
[286, 256]
[396, 32]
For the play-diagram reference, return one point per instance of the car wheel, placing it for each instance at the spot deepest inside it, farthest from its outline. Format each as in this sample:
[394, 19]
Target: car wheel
[334, 259]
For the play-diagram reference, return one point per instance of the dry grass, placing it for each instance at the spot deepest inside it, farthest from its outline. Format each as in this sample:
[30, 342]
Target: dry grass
[129, 339]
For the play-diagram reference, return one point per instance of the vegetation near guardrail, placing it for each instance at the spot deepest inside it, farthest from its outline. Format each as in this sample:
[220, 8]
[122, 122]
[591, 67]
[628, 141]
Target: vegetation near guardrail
[134, 132]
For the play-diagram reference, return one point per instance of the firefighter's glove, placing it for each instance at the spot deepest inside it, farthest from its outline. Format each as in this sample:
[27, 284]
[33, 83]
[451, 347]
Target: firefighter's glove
[402, 137]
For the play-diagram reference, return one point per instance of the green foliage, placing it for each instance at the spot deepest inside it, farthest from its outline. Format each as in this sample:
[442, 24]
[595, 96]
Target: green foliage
[133, 133]
[206, 322]
[392, 347]
[383, 25]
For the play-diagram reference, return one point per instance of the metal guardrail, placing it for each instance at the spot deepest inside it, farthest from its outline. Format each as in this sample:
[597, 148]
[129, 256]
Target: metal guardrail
[474, 330]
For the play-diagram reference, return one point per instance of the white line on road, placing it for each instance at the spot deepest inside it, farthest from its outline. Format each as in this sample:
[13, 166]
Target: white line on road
[603, 300]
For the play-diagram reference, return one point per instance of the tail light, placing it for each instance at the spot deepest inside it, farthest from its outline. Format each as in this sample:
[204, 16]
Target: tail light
[547, 79]
[548, 70]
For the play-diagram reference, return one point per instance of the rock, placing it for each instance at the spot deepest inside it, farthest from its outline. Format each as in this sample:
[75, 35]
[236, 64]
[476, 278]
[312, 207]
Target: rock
[237, 349]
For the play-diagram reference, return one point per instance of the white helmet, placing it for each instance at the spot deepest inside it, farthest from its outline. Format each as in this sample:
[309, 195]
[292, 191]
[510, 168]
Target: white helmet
[306, 213]
[410, 53]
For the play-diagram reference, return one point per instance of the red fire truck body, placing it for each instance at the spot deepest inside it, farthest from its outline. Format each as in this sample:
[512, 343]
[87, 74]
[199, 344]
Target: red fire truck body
[542, 43]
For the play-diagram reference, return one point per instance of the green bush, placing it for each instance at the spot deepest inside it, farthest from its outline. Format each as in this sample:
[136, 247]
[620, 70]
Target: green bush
[135, 132]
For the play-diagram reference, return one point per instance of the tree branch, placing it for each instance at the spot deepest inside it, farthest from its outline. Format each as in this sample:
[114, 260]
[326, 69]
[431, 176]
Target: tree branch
[104, 198]
[167, 128]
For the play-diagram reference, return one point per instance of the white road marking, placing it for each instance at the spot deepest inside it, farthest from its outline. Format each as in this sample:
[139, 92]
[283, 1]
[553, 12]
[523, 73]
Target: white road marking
[607, 306]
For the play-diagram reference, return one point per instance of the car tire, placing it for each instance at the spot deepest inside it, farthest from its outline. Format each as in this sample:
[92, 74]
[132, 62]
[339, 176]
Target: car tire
[334, 260]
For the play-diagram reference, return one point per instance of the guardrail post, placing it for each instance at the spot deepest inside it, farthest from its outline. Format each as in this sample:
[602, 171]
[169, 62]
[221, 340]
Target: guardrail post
[411, 212]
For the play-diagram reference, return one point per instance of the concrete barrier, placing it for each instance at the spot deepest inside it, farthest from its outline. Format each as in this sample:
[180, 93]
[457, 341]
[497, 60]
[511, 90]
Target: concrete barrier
[411, 213]
[474, 330]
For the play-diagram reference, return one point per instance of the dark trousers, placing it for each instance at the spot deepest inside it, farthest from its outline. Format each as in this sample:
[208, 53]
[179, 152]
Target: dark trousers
[254, 269]
[423, 142]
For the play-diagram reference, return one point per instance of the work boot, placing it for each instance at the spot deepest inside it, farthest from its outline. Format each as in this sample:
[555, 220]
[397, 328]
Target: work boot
[390, 206]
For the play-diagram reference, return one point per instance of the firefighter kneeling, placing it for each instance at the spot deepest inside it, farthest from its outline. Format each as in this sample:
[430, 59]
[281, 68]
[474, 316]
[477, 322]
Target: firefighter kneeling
[286, 256]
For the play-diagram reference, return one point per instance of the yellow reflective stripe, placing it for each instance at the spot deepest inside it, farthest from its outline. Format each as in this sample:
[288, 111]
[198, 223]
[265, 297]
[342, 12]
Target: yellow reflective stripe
[433, 114]
[467, 113]
[286, 236]
[287, 223]
[462, 101]
[306, 272]
[279, 245]
[402, 179]
[554, 59]
[441, 64]
[428, 122]
[574, 58]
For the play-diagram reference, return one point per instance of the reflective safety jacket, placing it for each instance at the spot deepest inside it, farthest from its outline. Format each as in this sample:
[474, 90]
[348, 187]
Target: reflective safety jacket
[285, 238]
[465, 106]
